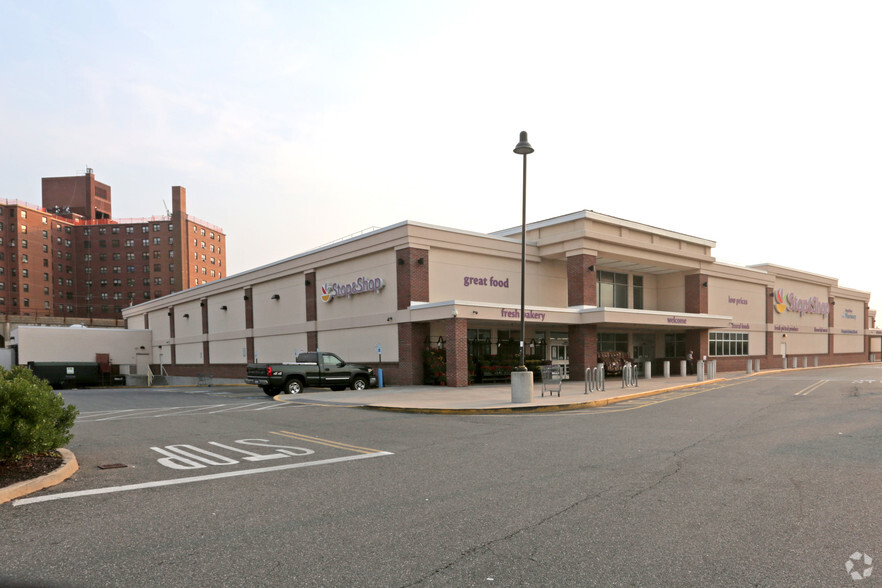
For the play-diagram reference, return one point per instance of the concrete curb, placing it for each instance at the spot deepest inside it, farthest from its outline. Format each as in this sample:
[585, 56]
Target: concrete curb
[67, 468]
[539, 409]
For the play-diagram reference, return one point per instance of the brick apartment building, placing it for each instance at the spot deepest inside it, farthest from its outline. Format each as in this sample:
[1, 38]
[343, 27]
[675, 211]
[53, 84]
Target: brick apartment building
[70, 258]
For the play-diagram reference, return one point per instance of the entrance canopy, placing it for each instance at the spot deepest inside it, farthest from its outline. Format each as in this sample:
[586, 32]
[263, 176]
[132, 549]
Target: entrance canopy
[583, 315]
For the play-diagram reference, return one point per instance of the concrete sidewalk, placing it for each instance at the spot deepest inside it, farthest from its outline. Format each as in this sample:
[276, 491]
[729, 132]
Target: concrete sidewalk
[495, 398]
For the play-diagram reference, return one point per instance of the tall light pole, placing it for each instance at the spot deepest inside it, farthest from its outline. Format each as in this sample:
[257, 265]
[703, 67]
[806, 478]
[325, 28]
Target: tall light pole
[523, 148]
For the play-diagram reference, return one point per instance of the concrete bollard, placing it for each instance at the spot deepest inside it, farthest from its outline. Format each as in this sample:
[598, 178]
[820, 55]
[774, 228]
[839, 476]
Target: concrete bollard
[756, 365]
[749, 366]
[647, 370]
[794, 363]
[667, 369]
[683, 367]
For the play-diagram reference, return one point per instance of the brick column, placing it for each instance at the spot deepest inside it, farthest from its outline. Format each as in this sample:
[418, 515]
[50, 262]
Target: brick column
[311, 301]
[457, 347]
[770, 327]
[831, 348]
[581, 282]
[171, 334]
[412, 276]
[696, 294]
[697, 303]
[582, 350]
[411, 343]
[249, 324]
[206, 359]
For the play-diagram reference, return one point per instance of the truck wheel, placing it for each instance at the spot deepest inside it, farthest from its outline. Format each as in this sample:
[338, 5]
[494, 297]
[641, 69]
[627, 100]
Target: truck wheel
[293, 386]
[269, 390]
[359, 383]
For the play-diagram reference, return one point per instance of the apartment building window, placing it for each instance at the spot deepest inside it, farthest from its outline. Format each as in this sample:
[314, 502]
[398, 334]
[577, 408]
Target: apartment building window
[45, 220]
[157, 241]
[130, 282]
[45, 233]
[145, 269]
[102, 269]
[114, 230]
[171, 240]
[24, 273]
[114, 243]
[130, 242]
[157, 267]
[145, 229]
[45, 248]
[130, 230]
[101, 256]
[117, 282]
[24, 243]
[46, 278]
[102, 230]
[117, 269]
[157, 281]
[156, 228]
[130, 269]
[146, 281]
[171, 252]
[46, 304]
[171, 227]
[24, 229]
[46, 290]
[130, 256]
[117, 257]
[171, 280]
[145, 242]
[157, 254]
[24, 214]
[87, 231]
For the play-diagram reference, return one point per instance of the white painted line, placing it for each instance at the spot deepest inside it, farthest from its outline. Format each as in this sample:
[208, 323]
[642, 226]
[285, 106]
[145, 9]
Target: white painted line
[192, 479]
[236, 407]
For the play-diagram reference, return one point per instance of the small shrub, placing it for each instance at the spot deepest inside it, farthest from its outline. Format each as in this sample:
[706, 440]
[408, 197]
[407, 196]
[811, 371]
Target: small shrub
[33, 418]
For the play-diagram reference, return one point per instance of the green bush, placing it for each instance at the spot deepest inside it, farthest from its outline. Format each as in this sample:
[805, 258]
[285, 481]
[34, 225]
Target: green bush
[33, 418]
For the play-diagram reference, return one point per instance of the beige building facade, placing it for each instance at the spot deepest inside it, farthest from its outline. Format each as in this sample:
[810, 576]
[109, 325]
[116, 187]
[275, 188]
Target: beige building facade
[430, 304]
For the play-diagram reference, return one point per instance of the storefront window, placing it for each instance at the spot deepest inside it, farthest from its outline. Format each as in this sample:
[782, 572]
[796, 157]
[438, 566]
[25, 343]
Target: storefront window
[612, 289]
[612, 342]
[675, 345]
[728, 344]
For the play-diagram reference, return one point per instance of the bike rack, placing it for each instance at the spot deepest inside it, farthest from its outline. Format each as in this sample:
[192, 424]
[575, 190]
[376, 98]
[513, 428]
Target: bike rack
[595, 379]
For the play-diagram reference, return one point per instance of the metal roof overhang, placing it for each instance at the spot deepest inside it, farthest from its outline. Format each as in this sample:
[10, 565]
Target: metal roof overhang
[619, 318]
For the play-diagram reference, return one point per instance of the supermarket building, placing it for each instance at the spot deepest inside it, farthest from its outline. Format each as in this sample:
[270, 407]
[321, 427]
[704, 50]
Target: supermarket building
[429, 304]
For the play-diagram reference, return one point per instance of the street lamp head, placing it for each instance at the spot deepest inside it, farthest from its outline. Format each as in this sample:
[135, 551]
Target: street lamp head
[523, 147]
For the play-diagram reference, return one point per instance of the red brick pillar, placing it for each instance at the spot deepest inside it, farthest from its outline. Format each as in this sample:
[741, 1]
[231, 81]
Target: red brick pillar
[412, 275]
[457, 347]
[411, 344]
[249, 325]
[831, 348]
[697, 303]
[770, 332]
[582, 281]
[311, 302]
[582, 350]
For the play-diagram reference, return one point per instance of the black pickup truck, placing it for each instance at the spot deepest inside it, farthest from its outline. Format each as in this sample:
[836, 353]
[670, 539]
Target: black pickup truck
[311, 370]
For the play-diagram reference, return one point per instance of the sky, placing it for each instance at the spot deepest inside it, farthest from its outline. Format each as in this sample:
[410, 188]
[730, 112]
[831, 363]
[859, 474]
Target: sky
[292, 124]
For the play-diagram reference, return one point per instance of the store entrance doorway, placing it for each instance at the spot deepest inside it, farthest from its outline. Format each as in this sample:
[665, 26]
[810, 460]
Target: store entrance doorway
[643, 350]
